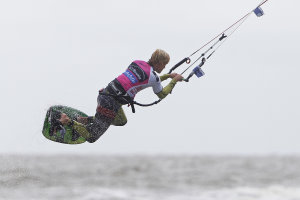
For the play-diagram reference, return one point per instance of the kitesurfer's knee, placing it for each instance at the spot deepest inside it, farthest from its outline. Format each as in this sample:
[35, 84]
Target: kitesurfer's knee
[119, 123]
[120, 119]
[123, 123]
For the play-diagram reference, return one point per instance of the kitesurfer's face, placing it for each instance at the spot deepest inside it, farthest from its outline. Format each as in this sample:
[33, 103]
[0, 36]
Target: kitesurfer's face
[160, 67]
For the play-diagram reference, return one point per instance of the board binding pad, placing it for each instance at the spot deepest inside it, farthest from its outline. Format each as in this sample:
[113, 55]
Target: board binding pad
[67, 134]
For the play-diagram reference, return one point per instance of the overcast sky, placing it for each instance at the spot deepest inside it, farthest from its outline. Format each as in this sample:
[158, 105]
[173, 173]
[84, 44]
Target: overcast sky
[63, 51]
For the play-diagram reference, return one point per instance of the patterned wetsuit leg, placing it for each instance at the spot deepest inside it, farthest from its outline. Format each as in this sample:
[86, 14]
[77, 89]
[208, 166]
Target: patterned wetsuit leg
[106, 112]
[120, 119]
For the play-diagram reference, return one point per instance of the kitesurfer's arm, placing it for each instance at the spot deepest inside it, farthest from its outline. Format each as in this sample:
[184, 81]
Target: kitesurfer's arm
[164, 77]
[168, 89]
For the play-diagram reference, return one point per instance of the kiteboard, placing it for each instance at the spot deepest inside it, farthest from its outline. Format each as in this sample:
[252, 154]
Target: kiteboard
[59, 133]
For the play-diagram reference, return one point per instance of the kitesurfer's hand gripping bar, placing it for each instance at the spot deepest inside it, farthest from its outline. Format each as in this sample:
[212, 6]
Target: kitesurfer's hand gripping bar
[187, 60]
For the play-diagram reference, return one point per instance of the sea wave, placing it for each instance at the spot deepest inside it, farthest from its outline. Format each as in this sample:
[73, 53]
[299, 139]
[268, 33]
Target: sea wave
[149, 177]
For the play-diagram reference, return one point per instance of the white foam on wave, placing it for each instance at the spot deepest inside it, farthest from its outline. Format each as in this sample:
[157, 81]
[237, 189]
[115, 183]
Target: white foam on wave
[103, 193]
[243, 193]
[116, 194]
[239, 193]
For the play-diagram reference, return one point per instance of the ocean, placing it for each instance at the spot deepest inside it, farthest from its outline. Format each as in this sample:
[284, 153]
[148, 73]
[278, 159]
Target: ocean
[149, 177]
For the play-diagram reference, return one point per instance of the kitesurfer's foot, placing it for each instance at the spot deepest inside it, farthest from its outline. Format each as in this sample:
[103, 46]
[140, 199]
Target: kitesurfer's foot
[65, 120]
[82, 120]
[85, 120]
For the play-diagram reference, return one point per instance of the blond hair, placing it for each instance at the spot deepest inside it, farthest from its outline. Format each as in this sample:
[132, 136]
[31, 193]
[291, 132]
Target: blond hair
[159, 56]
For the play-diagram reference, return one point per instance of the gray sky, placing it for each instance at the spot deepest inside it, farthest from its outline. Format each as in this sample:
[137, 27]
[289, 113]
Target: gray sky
[63, 51]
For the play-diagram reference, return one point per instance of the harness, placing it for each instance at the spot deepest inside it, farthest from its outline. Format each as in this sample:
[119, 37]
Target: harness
[115, 90]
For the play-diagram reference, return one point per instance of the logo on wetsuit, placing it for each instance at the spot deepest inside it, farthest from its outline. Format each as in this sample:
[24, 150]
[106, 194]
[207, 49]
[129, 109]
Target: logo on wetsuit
[130, 76]
[135, 74]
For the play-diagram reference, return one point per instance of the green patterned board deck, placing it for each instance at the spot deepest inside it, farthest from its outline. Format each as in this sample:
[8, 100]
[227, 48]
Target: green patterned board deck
[70, 136]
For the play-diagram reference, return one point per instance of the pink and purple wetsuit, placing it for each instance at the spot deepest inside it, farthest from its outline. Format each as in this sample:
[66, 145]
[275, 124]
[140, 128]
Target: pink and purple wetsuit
[138, 76]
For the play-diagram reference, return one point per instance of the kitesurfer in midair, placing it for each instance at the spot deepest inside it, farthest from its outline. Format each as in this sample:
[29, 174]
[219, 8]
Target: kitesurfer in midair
[122, 90]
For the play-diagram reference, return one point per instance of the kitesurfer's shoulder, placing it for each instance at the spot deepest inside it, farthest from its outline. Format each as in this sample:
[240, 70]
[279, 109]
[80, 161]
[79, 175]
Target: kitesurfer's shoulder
[141, 62]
